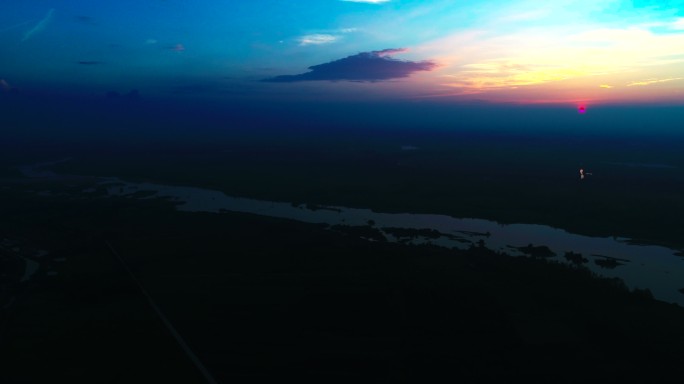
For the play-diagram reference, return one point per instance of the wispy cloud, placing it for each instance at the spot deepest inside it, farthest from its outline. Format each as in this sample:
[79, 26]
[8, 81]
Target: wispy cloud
[366, 1]
[666, 26]
[606, 86]
[365, 66]
[325, 36]
[388, 52]
[483, 62]
[678, 24]
[653, 81]
[40, 26]
[317, 39]
[497, 74]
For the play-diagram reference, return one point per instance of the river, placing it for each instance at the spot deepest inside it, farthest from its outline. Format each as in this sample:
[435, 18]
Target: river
[651, 267]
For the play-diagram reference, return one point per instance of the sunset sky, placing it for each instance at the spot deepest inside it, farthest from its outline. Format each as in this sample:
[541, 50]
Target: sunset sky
[524, 51]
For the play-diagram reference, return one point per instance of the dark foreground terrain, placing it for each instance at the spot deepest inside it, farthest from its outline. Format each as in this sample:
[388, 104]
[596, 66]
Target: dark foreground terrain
[261, 299]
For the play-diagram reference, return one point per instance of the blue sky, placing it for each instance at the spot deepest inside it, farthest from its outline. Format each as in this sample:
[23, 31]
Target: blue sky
[510, 51]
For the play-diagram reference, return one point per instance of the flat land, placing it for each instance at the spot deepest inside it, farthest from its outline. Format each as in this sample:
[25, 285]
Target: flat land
[260, 298]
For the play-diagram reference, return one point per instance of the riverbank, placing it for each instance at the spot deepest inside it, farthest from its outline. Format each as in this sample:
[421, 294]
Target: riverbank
[258, 297]
[640, 266]
[508, 179]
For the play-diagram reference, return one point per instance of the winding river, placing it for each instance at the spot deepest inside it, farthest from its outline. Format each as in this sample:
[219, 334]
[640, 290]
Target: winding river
[652, 267]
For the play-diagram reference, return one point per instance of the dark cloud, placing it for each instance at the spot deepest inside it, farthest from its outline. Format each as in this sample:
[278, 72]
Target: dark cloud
[365, 66]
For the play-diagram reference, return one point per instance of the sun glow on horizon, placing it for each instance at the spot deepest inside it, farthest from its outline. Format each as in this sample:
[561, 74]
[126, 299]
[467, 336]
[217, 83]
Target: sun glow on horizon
[516, 51]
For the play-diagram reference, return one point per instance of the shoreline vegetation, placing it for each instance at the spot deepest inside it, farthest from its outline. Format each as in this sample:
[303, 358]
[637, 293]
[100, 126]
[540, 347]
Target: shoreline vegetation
[668, 238]
[412, 231]
[263, 297]
[505, 189]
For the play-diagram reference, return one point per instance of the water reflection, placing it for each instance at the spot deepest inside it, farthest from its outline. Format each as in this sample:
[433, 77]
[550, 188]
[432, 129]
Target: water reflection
[640, 266]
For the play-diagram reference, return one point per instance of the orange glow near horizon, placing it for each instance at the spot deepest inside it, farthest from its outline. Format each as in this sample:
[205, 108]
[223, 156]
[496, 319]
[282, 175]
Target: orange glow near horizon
[560, 63]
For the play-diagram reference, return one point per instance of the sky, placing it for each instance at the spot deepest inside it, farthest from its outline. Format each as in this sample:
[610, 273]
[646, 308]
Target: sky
[521, 51]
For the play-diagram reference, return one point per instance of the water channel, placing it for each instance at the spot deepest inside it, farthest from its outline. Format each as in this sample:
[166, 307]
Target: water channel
[651, 267]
